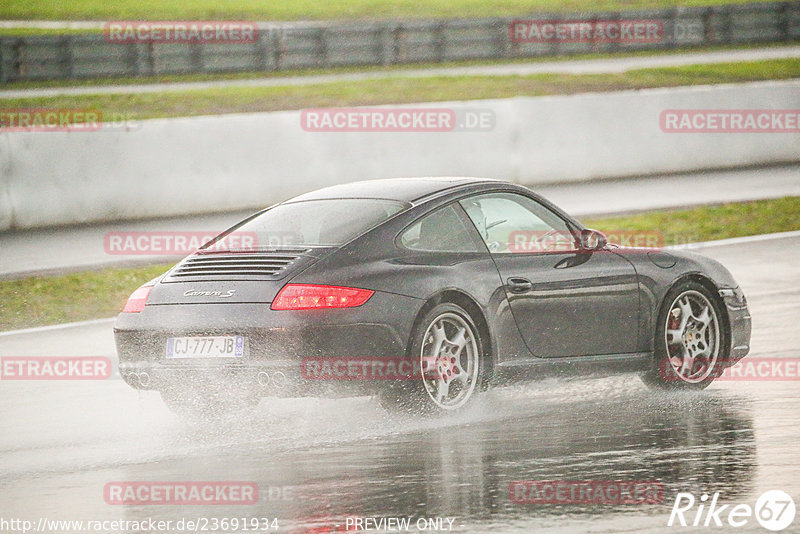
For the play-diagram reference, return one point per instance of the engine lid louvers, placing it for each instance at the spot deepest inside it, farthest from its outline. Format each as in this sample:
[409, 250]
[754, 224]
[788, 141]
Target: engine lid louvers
[232, 265]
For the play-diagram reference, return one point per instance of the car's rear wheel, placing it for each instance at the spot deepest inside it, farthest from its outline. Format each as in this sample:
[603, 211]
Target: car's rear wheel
[448, 350]
[689, 340]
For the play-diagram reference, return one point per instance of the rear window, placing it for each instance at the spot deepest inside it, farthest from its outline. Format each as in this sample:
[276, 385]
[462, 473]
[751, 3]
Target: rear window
[318, 222]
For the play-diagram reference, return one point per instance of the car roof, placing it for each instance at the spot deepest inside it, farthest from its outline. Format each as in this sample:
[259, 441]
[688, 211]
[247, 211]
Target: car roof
[400, 189]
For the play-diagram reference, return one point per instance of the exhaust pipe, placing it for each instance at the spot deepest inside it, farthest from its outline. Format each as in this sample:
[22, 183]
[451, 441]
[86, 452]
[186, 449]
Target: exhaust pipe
[263, 378]
[279, 379]
[144, 379]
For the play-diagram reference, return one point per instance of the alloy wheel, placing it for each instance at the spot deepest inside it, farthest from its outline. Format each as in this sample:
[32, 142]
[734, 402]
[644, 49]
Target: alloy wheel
[450, 361]
[692, 337]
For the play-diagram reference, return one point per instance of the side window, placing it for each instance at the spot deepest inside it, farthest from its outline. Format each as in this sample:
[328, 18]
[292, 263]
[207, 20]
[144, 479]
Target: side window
[511, 223]
[441, 231]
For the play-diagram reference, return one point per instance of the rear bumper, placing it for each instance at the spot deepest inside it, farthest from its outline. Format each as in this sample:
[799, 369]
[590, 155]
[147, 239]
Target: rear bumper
[277, 343]
[266, 379]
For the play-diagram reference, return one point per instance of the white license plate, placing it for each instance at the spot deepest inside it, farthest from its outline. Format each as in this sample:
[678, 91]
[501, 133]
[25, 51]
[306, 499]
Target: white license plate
[205, 347]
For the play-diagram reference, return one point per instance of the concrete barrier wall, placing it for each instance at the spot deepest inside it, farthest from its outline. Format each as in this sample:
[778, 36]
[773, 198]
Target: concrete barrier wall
[170, 167]
[5, 184]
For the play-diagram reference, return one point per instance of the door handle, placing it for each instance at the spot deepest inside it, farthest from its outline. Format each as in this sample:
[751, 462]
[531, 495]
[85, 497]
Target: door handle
[519, 285]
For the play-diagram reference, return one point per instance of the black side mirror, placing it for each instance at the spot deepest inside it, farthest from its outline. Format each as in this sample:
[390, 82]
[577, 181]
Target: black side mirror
[592, 239]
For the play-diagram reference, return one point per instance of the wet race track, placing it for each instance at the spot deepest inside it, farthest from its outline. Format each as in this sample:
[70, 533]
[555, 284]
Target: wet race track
[321, 464]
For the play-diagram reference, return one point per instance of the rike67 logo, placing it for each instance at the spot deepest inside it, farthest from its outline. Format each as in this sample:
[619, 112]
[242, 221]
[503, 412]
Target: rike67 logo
[774, 510]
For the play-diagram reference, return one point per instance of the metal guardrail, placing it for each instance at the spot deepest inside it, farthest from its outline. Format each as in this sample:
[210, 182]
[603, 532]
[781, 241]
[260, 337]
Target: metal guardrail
[291, 46]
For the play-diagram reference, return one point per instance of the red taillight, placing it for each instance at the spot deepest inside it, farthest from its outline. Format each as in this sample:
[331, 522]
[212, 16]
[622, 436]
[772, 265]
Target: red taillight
[313, 297]
[137, 300]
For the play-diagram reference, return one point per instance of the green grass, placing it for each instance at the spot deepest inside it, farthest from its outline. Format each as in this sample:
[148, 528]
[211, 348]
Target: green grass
[40, 301]
[314, 9]
[26, 31]
[79, 296]
[711, 222]
[403, 90]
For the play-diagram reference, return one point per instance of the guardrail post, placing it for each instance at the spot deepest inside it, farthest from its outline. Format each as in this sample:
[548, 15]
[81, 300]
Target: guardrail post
[500, 30]
[594, 44]
[149, 59]
[65, 56]
[727, 24]
[555, 46]
[672, 41]
[278, 41]
[783, 21]
[708, 32]
[385, 45]
[615, 44]
[196, 57]
[322, 46]
[132, 58]
[3, 68]
[399, 44]
[514, 46]
[263, 48]
[17, 68]
[439, 42]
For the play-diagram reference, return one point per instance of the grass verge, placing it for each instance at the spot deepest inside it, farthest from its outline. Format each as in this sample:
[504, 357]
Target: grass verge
[79, 296]
[709, 223]
[400, 90]
[314, 9]
[86, 295]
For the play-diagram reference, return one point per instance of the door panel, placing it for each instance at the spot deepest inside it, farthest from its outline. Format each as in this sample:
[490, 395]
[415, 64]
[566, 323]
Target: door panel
[577, 304]
[565, 301]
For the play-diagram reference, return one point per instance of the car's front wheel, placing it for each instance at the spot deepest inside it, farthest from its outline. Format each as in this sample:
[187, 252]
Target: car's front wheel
[448, 350]
[689, 340]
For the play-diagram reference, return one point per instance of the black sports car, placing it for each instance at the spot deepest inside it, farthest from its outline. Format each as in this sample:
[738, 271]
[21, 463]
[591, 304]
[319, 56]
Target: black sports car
[424, 292]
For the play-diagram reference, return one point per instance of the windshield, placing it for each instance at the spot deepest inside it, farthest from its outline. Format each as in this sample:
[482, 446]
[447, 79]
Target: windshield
[313, 222]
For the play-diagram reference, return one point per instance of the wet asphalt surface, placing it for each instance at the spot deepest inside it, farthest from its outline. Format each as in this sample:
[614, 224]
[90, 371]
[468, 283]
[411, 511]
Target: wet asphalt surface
[318, 462]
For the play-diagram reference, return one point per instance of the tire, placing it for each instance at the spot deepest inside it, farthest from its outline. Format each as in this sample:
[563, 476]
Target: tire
[690, 342]
[448, 348]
